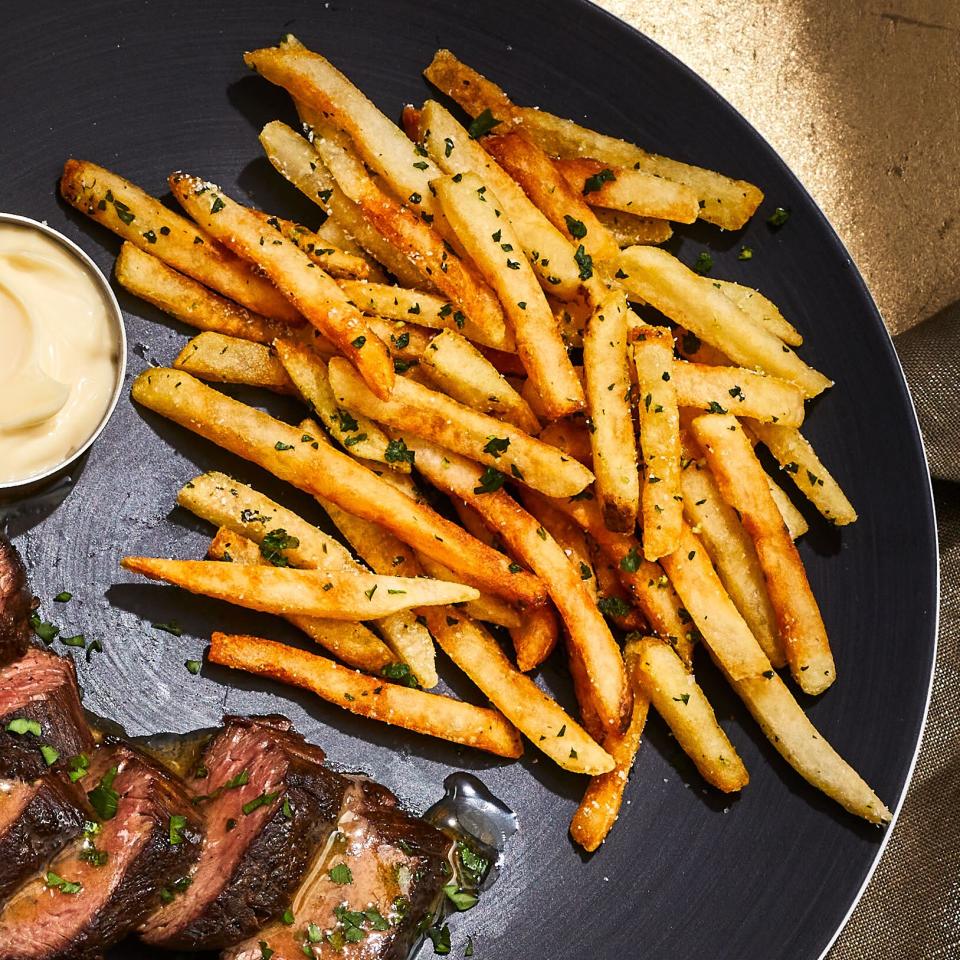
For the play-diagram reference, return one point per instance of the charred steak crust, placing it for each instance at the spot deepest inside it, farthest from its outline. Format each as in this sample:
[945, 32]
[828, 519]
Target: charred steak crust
[37, 820]
[305, 799]
[40, 687]
[16, 602]
[143, 850]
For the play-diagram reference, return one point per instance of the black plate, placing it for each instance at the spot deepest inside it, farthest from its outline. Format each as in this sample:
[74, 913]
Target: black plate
[148, 87]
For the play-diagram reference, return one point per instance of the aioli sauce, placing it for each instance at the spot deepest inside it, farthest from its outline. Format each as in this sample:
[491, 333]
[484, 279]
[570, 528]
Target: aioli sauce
[58, 352]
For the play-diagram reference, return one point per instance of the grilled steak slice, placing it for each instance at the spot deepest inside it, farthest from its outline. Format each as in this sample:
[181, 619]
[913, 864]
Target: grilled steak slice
[39, 688]
[103, 885]
[37, 820]
[16, 602]
[370, 892]
[267, 802]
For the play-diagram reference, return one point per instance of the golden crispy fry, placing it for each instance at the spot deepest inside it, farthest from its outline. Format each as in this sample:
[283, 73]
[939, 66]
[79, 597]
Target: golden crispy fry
[632, 191]
[296, 161]
[568, 534]
[336, 262]
[213, 356]
[351, 430]
[797, 740]
[462, 372]
[761, 311]
[408, 638]
[614, 445]
[720, 624]
[549, 251]
[742, 482]
[600, 806]
[727, 203]
[472, 210]
[692, 348]
[350, 642]
[226, 502]
[522, 702]
[315, 294]
[529, 541]
[438, 418]
[733, 554]
[332, 233]
[152, 280]
[661, 500]
[325, 472]
[629, 230]
[486, 607]
[311, 593]
[613, 598]
[661, 280]
[455, 278]
[415, 710]
[563, 206]
[795, 521]
[536, 637]
[570, 437]
[797, 458]
[144, 221]
[312, 80]
[677, 697]
[737, 391]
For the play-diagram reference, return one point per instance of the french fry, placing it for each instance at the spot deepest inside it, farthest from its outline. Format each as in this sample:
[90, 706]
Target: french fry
[632, 191]
[570, 437]
[223, 359]
[522, 702]
[296, 161]
[661, 501]
[741, 392]
[677, 697]
[536, 637]
[455, 278]
[798, 459]
[614, 600]
[795, 521]
[149, 278]
[415, 710]
[350, 642]
[691, 347]
[333, 233]
[796, 739]
[568, 534]
[227, 503]
[336, 262]
[315, 82]
[742, 482]
[408, 638]
[311, 593]
[144, 221]
[413, 306]
[315, 294]
[472, 211]
[546, 186]
[436, 417]
[630, 231]
[351, 430]
[486, 607]
[549, 251]
[600, 806]
[665, 283]
[463, 373]
[727, 203]
[733, 554]
[589, 633]
[720, 624]
[325, 472]
[614, 445]
[761, 311]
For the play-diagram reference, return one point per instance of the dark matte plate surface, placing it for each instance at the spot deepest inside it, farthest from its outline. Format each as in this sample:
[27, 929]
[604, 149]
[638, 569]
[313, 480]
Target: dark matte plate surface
[148, 87]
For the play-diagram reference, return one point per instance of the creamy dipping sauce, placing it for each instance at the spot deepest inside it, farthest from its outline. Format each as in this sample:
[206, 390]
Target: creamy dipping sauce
[59, 352]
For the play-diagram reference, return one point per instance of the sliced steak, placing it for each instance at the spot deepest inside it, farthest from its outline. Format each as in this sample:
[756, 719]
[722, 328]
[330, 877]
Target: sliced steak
[16, 602]
[103, 885]
[37, 820]
[268, 802]
[39, 698]
[370, 892]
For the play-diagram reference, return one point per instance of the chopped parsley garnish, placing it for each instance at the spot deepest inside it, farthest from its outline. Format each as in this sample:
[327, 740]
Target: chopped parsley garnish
[472, 866]
[585, 572]
[358, 343]
[490, 481]
[63, 597]
[193, 666]
[273, 545]
[346, 421]
[240, 780]
[631, 562]
[178, 824]
[690, 342]
[401, 674]
[684, 698]
[103, 798]
[575, 227]
[496, 446]
[217, 205]
[397, 452]
[56, 882]
[263, 800]
[282, 447]
[584, 262]
[779, 217]
[482, 123]
[440, 937]
[341, 874]
[596, 182]
[612, 607]
[704, 263]
[714, 407]
[77, 767]
[460, 898]
[514, 568]
[746, 253]
[47, 632]
[171, 627]
[50, 754]
[22, 726]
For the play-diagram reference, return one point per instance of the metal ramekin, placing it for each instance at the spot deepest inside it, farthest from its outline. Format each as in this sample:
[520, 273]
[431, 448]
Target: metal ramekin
[15, 489]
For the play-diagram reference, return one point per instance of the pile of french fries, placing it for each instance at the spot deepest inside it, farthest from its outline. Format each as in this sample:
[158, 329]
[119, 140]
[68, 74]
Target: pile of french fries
[484, 309]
